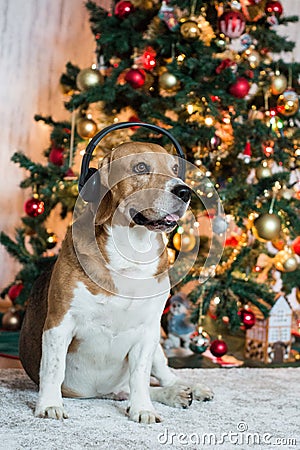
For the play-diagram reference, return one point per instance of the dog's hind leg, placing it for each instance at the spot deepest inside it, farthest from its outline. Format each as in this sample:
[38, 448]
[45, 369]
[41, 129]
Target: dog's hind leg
[174, 391]
[170, 392]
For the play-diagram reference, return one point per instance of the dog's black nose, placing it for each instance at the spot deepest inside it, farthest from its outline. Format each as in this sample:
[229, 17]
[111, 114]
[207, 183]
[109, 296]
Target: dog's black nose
[182, 191]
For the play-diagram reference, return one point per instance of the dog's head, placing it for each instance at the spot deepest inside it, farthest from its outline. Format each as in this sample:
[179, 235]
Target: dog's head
[143, 187]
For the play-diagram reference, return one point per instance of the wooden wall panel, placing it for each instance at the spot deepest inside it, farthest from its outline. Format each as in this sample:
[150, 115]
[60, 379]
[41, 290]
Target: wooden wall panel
[291, 8]
[37, 38]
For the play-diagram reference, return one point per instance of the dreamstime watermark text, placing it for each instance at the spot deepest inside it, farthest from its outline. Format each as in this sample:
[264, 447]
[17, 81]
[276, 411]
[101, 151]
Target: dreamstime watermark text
[240, 436]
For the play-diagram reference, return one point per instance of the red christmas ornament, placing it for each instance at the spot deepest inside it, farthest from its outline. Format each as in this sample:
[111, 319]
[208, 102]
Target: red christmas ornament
[240, 88]
[232, 23]
[135, 77]
[34, 207]
[248, 318]
[296, 245]
[274, 7]
[123, 9]
[148, 58]
[218, 348]
[15, 290]
[56, 156]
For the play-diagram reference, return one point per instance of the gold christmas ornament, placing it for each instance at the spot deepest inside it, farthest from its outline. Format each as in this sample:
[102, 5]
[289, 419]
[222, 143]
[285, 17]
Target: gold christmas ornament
[194, 28]
[12, 320]
[88, 78]
[285, 261]
[189, 30]
[288, 103]
[74, 190]
[267, 226]
[290, 264]
[253, 57]
[184, 242]
[263, 171]
[168, 82]
[278, 84]
[86, 128]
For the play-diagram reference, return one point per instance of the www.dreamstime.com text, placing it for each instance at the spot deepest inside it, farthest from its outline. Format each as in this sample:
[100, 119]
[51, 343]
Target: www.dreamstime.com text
[239, 437]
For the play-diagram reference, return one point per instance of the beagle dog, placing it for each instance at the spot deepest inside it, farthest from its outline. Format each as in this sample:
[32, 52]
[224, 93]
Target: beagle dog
[92, 324]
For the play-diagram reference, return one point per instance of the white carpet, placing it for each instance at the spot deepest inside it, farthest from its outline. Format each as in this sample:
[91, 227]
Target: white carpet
[264, 402]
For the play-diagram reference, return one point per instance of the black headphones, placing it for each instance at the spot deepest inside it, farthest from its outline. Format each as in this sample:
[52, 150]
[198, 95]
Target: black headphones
[91, 190]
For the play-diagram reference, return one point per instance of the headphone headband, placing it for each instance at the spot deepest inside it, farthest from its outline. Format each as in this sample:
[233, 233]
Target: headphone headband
[118, 126]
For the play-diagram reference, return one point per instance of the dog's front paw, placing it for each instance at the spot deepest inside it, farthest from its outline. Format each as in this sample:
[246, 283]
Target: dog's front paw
[51, 412]
[143, 416]
[202, 393]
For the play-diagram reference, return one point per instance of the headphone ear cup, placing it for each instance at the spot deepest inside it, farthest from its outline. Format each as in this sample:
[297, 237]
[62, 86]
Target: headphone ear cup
[91, 189]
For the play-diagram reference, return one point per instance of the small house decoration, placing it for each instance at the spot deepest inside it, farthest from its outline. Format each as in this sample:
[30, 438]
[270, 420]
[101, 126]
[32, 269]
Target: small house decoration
[269, 340]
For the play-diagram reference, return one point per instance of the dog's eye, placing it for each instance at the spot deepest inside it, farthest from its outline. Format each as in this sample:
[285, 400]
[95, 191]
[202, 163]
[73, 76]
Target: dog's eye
[175, 169]
[141, 168]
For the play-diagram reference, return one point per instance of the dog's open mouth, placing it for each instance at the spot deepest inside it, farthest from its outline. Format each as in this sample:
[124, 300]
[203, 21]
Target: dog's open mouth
[164, 223]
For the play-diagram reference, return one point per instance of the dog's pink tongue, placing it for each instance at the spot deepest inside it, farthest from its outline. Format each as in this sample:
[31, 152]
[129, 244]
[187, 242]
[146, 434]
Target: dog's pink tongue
[172, 217]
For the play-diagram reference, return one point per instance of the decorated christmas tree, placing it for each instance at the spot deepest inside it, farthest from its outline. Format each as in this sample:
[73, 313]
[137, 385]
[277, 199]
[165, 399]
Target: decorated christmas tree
[208, 72]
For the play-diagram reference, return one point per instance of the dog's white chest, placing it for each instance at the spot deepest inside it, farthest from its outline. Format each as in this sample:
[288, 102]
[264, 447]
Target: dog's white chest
[134, 256]
[106, 328]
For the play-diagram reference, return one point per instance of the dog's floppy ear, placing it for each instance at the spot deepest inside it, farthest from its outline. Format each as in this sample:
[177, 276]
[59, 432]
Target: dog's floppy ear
[104, 210]
[104, 168]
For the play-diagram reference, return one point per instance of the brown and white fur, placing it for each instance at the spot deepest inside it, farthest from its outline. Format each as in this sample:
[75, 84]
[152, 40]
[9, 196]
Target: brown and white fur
[99, 336]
